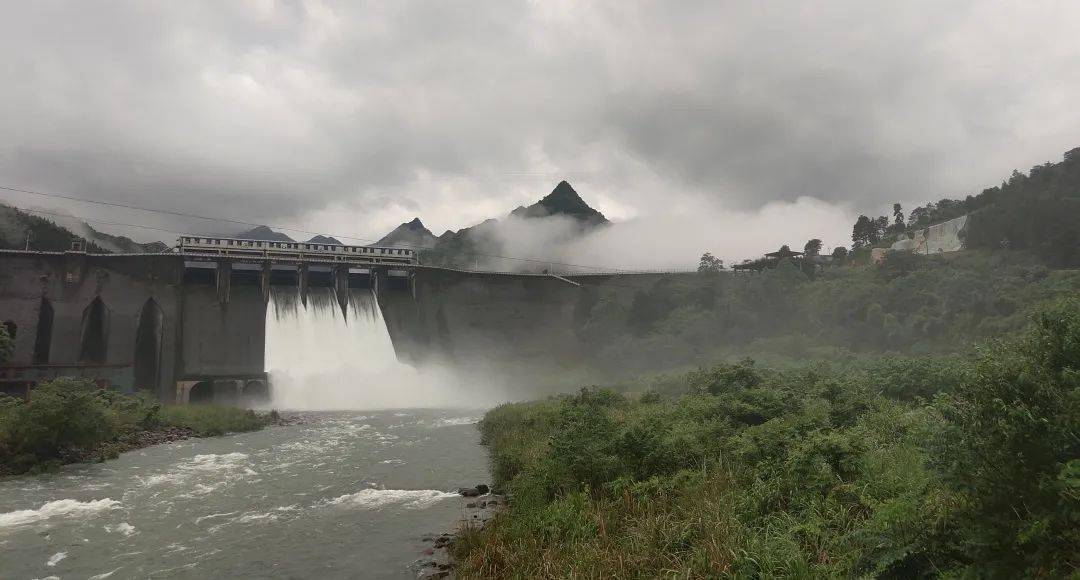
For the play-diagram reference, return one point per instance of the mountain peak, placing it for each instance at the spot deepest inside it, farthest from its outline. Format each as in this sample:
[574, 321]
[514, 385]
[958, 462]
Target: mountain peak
[411, 234]
[263, 234]
[563, 200]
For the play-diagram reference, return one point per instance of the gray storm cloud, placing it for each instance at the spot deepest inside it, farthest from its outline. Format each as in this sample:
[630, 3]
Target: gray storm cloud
[354, 117]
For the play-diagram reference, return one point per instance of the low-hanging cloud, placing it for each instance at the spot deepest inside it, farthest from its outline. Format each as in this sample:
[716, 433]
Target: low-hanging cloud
[315, 113]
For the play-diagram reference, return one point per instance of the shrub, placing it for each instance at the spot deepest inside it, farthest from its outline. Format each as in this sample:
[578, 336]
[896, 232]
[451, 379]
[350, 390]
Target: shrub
[61, 415]
[1012, 449]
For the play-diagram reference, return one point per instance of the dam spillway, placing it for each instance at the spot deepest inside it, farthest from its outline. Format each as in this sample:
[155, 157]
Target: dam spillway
[162, 324]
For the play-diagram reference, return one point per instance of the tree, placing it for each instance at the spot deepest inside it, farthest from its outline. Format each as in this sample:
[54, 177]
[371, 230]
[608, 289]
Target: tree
[881, 227]
[864, 233]
[812, 247]
[710, 263]
[7, 345]
[898, 217]
[921, 216]
[839, 253]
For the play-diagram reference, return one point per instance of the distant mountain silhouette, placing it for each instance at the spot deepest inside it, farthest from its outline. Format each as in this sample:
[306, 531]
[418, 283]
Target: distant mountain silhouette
[324, 240]
[409, 235]
[263, 234]
[563, 200]
[465, 246]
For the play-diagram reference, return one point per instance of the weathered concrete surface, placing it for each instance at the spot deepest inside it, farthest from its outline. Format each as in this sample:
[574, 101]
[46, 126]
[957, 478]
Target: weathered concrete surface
[71, 282]
[223, 339]
[529, 323]
[209, 327]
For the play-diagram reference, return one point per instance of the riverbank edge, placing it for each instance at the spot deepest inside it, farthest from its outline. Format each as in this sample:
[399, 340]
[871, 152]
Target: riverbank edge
[132, 441]
[480, 511]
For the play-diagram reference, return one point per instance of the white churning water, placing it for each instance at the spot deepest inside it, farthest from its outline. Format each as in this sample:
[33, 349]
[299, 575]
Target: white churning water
[320, 358]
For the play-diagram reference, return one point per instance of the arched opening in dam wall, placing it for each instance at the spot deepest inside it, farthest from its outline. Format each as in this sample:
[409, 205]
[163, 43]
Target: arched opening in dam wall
[148, 339]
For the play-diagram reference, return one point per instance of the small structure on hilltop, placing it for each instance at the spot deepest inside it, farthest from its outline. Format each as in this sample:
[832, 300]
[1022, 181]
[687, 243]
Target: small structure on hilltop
[784, 252]
[770, 260]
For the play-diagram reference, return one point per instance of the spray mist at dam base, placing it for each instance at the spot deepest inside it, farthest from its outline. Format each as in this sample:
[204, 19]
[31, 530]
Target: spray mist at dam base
[321, 356]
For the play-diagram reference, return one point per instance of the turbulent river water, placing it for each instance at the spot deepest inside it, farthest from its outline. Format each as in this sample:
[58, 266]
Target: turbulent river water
[341, 495]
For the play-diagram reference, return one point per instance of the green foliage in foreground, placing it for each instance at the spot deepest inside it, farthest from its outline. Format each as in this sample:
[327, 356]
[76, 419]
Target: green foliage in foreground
[901, 468]
[72, 419]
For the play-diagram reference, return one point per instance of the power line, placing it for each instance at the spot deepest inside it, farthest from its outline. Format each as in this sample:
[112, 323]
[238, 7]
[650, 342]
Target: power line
[253, 224]
[43, 212]
[103, 222]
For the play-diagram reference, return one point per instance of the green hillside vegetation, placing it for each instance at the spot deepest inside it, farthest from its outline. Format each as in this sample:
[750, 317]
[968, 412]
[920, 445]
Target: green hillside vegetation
[964, 466]
[44, 234]
[910, 304]
[48, 236]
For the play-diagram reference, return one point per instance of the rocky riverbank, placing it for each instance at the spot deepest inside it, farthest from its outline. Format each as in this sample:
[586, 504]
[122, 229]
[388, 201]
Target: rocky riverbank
[478, 506]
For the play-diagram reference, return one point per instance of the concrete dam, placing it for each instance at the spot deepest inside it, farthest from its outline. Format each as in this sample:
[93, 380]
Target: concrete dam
[191, 331]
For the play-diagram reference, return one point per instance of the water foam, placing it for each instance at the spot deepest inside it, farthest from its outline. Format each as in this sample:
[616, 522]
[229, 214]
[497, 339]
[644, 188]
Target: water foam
[449, 422]
[377, 498]
[55, 559]
[122, 528]
[62, 507]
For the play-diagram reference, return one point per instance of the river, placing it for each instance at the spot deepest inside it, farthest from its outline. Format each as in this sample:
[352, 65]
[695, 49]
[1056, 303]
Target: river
[341, 495]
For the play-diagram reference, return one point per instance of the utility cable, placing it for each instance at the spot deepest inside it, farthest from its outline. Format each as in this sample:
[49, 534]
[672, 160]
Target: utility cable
[253, 224]
[285, 228]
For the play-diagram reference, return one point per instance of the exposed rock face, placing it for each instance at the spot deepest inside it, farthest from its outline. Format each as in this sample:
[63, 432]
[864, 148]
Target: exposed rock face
[409, 235]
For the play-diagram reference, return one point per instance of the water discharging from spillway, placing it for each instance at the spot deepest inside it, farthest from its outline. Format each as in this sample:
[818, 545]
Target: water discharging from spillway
[321, 358]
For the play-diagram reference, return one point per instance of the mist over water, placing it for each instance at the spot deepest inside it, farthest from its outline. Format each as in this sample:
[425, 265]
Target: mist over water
[321, 358]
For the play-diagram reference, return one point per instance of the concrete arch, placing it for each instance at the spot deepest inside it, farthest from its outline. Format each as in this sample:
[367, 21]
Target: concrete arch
[201, 393]
[148, 346]
[95, 333]
[255, 391]
[43, 336]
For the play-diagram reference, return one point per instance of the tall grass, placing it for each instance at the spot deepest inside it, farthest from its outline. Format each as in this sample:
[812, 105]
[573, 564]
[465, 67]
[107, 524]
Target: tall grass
[212, 420]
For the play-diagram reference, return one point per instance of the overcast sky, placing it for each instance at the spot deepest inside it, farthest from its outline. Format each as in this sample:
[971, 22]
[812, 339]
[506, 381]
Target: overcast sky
[351, 117]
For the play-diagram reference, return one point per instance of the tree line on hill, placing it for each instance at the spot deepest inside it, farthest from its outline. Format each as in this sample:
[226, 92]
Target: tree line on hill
[1038, 212]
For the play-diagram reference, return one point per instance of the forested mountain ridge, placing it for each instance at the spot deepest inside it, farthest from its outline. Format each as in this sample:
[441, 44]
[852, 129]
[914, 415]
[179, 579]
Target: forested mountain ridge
[45, 234]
